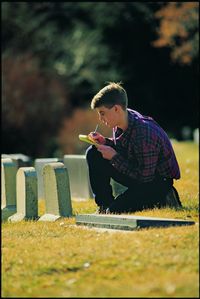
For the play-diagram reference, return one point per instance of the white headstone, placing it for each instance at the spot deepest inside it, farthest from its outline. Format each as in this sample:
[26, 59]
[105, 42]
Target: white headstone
[196, 135]
[39, 164]
[27, 202]
[20, 159]
[78, 176]
[56, 192]
[8, 183]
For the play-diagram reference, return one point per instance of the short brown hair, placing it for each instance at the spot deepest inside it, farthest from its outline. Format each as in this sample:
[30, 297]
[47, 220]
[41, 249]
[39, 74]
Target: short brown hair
[110, 95]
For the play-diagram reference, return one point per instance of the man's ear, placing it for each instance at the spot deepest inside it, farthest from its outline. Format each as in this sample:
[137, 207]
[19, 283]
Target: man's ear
[117, 108]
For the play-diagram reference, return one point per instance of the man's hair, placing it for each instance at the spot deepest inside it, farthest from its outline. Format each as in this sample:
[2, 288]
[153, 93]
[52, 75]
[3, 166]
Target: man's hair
[112, 94]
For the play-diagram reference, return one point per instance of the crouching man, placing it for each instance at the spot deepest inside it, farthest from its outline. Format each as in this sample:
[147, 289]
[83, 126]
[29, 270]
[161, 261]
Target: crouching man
[139, 156]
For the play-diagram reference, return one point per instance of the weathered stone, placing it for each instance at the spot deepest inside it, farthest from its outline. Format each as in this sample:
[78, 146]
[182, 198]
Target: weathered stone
[8, 183]
[78, 176]
[20, 159]
[56, 192]
[196, 135]
[39, 164]
[127, 222]
[27, 202]
[186, 132]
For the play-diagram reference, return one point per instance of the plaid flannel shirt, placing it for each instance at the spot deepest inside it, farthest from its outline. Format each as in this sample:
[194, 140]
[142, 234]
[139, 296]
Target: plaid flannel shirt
[143, 150]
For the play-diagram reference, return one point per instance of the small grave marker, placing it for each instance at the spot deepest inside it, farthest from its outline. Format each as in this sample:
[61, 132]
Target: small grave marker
[127, 222]
[27, 203]
[8, 183]
[56, 192]
[78, 176]
[39, 164]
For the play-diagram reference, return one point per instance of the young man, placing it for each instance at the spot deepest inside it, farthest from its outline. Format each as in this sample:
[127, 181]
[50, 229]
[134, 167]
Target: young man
[139, 156]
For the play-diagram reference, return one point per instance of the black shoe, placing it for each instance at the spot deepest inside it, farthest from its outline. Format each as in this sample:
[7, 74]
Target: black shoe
[172, 199]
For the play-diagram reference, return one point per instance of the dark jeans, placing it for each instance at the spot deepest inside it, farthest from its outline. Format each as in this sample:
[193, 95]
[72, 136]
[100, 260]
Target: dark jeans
[137, 197]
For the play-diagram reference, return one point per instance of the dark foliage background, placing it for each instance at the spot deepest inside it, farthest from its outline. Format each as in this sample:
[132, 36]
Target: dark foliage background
[57, 55]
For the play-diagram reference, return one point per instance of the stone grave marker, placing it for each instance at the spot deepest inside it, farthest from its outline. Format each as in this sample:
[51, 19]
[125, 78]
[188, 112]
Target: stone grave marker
[39, 164]
[196, 135]
[56, 192]
[127, 222]
[8, 184]
[78, 176]
[27, 202]
[20, 159]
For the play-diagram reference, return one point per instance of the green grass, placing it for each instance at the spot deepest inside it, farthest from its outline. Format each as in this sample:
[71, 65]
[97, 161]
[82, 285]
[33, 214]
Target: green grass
[61, 260]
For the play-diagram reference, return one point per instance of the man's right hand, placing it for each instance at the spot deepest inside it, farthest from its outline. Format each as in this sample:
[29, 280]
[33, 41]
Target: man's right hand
[97, 137]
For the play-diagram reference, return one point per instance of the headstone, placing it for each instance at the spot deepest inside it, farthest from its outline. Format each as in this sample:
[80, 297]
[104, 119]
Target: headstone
[117, 188]
[27, 202]
[186, 133]
[4, 156]
[20, 159]
[8, 183]
[39, 164]
[196, 135]
[78, 176]
[127, 222]
[56, 192]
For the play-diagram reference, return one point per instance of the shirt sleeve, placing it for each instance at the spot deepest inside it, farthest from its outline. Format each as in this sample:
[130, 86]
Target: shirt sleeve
[109, 142]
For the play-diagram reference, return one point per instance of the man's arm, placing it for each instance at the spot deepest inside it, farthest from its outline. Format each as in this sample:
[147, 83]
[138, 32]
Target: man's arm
[141, 160]
[109, 142]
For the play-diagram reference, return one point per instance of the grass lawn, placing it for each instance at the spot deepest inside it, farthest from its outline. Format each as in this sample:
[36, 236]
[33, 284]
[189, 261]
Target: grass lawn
[61, 260]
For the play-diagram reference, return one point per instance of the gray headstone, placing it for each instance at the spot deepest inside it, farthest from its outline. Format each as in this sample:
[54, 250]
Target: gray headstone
[78, 176]
[56, 192]
[3, 156]
[39, 164]
[20, 159]
[127, 222]
[186, 133]
[8, 183]
[196, 135]
[27, 202]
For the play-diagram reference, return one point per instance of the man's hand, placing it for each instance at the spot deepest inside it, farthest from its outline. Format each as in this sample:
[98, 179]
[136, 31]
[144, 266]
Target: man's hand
[97, 137]
[106, 151]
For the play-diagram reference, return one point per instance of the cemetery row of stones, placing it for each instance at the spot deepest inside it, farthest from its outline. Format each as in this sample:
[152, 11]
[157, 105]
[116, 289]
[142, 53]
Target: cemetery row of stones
[52, 179]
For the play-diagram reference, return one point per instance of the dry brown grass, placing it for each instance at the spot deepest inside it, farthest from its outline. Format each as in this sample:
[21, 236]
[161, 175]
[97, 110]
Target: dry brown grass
[61, 260]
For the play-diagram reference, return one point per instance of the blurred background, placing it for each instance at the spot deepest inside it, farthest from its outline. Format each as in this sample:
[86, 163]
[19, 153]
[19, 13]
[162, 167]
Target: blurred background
[57, 55]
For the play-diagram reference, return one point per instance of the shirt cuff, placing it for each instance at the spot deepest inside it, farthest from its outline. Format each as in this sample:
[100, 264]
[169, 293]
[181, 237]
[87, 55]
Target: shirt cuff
[116, 160]
[109, 142]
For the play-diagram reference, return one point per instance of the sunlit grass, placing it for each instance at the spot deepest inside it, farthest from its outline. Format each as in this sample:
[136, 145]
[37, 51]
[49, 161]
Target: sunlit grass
[41, 259]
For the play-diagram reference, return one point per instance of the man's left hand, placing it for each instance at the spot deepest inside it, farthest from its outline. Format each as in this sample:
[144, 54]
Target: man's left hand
[107, 151]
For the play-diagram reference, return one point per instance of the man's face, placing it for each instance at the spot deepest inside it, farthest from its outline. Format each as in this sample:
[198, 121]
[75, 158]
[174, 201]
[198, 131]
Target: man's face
[108, 116]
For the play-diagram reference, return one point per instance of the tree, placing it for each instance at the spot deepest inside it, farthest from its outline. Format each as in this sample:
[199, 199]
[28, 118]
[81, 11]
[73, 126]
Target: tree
[179, 30]
[63, 37]
[33, 105]
[57, 55]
